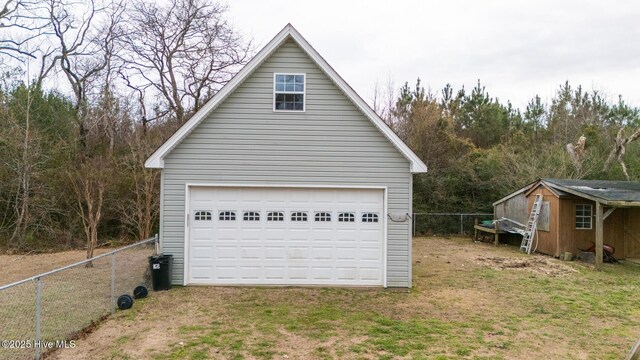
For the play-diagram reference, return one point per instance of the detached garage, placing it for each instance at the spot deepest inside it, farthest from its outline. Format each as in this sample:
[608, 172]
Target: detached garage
[287, 177]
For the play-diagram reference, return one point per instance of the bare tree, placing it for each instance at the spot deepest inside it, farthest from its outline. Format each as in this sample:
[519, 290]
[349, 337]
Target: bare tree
[21, 22]
[619, 150]
[85, 48]
[384, 99]
[89, 184]
[577, 152]
[140, 211]
[182, 53]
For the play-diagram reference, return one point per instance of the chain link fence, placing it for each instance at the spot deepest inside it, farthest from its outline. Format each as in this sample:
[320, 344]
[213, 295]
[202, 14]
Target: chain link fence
[48, 310]
[446, 223]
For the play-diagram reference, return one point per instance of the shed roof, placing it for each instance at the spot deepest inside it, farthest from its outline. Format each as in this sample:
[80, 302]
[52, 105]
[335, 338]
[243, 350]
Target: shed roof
[607, 191]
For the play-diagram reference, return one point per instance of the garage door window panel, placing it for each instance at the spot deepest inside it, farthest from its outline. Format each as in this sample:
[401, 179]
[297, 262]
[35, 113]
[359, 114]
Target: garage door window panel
[322, 217]
[275, 216]
[299, 216]
[227, 215]
[202, 215]
[369, 217]
[251, 216]
[347, 217]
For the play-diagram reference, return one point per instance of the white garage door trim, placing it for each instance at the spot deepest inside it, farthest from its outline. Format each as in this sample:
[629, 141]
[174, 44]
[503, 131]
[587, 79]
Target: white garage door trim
[188, 187]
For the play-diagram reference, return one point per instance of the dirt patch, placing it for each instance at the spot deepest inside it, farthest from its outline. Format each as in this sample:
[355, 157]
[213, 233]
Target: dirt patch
[536, 264]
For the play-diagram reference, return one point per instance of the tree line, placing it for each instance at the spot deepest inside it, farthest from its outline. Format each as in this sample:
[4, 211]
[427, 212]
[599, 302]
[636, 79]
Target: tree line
[479, 149]
[89, 89]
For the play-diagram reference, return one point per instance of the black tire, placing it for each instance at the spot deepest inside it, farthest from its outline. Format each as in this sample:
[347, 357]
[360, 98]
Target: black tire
[125, 302]
[140, 292]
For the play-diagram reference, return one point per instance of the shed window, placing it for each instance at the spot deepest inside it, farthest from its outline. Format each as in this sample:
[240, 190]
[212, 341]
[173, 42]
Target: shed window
[226, 215]
[289, 92]
[299, 216]
[275, 216]
[369, 217]
[584, 214]
[323, 216]
[346, 217]
[251, 216]
[202, 215]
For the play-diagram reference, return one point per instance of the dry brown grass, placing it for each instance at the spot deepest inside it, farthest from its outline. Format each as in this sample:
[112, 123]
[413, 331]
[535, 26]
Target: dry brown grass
[470, 301]
[18, 267]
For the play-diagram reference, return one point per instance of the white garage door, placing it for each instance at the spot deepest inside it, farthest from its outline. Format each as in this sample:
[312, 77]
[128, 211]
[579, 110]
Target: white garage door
[285, 236]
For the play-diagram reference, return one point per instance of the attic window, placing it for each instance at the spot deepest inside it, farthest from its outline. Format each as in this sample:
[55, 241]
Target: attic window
[584, 214]
[288, 92]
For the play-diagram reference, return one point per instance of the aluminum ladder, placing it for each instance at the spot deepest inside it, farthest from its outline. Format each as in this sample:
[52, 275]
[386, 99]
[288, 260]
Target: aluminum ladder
[532, 224]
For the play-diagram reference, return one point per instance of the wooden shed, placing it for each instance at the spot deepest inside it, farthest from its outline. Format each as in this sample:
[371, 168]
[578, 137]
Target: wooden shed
[576, 214]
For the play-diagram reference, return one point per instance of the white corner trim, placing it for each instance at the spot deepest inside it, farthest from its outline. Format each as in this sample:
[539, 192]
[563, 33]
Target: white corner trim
[187, 231]
[156, 160]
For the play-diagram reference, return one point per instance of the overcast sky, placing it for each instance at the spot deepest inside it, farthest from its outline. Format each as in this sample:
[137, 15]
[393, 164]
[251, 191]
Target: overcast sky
[516, 48]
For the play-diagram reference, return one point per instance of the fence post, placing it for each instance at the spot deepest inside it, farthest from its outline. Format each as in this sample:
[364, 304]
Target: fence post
[461, 228]
[38, 317]
[413, 221]
[113, 283]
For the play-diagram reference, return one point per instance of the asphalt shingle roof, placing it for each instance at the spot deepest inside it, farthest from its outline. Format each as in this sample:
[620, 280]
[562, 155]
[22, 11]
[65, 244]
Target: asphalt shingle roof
[608, 190]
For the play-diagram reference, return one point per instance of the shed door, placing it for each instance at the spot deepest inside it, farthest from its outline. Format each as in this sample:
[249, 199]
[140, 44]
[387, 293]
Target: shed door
[286, 236]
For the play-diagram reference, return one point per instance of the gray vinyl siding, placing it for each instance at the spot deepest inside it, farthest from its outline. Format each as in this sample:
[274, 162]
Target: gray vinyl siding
[244, 141]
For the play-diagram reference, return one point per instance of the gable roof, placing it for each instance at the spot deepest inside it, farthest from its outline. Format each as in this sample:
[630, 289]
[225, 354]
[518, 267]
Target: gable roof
[156, 160]
[608, 192]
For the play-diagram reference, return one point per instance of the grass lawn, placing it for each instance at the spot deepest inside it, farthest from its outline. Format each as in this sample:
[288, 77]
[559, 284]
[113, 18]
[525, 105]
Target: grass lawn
[469, 301]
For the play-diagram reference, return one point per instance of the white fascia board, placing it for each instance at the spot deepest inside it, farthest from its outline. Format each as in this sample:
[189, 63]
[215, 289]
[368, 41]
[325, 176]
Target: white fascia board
[156, 159]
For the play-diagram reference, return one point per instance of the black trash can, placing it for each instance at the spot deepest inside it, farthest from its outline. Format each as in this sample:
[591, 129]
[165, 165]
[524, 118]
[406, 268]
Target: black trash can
[161, 266]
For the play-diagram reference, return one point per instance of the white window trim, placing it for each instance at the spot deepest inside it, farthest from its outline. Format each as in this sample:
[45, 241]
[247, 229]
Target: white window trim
[304, 93]
[583, 216]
